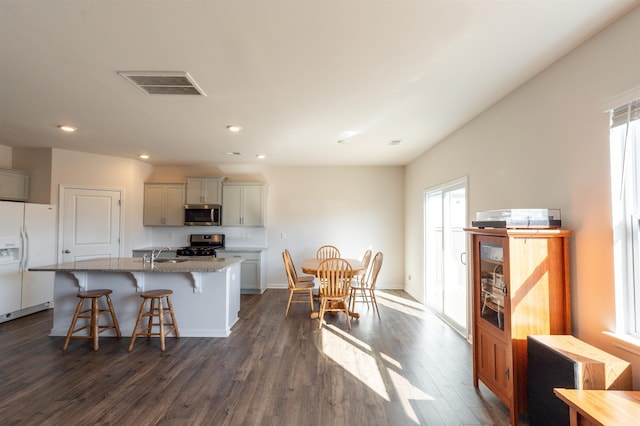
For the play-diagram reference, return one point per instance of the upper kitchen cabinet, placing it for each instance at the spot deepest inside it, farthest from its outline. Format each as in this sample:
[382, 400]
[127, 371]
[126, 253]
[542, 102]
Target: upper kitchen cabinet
[164, 204]
[244, 204]
[204, 189]
[14, 185]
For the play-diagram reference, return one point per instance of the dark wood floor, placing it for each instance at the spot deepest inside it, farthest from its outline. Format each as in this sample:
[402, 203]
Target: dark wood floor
[407, 368]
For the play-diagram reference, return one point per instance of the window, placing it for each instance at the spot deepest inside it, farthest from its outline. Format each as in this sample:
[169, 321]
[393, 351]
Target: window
[625, 186]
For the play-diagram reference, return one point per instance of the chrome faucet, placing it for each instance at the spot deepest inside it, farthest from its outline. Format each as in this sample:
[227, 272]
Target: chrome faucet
[156, 254]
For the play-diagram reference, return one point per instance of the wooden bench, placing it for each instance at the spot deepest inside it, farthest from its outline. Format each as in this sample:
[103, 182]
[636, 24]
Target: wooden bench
[601, 407]
[563, 361]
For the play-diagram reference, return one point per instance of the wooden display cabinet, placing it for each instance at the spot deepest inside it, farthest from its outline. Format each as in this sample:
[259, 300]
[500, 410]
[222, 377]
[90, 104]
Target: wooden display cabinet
[520, 287]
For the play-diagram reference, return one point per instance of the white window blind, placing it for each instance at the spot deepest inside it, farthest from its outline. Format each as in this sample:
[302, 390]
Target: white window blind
[625, 114]
[625, 185]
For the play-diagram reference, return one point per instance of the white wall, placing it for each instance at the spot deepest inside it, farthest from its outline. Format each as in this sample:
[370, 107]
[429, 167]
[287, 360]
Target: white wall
[353, 208]
[90, 170]
[36, 162]
[546, 145]
[5, 156]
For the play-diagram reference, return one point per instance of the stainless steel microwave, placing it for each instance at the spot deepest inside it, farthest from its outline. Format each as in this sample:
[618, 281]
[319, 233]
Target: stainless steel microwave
[203, 214]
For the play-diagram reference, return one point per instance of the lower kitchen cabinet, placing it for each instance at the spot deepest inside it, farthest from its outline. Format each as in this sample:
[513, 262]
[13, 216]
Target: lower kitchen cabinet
[252, 271]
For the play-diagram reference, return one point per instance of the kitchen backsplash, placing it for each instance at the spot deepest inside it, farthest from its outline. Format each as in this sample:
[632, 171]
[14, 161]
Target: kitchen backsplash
[234, 236]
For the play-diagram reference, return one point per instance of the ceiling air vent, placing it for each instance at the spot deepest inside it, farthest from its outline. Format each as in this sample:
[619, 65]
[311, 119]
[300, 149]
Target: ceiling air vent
[163, 83]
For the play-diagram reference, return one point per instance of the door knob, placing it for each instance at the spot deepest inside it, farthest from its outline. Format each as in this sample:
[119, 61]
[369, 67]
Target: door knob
[67, 251]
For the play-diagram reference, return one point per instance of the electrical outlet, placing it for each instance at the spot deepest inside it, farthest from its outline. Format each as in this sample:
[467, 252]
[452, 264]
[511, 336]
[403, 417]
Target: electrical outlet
[409, 277]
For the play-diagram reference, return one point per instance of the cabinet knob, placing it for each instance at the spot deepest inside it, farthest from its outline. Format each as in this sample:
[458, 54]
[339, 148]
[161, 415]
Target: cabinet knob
[67, 251]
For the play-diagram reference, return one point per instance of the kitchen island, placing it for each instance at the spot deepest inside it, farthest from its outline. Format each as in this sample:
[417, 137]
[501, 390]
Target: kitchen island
[206, 292]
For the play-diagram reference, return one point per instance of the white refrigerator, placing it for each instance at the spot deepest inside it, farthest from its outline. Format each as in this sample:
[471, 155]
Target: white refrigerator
[27, 239]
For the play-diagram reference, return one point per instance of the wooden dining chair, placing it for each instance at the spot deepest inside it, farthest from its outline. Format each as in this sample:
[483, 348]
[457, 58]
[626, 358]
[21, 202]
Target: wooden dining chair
[367, 286]
[327, 252]
[366, 260]
[298, 285]
[334, 277]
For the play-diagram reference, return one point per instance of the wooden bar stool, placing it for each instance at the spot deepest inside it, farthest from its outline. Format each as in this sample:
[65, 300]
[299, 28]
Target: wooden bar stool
[93, 315]
[156, 309]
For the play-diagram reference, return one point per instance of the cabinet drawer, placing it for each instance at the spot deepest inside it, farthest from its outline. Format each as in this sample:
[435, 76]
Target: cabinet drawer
[244, 255]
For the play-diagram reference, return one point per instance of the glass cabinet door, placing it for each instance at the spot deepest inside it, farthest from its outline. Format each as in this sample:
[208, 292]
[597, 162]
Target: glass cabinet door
[493, 288]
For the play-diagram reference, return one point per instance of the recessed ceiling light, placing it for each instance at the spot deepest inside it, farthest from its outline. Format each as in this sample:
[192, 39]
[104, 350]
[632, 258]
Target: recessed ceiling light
[67, 128]
[395, 142]
[261, 156]
[234, 128]
[144, 156]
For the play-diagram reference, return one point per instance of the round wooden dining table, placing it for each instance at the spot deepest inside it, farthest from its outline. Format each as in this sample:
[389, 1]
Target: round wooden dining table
[310, 266]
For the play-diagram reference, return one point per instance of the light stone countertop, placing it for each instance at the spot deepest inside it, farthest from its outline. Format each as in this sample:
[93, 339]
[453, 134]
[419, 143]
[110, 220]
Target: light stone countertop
[135, 264]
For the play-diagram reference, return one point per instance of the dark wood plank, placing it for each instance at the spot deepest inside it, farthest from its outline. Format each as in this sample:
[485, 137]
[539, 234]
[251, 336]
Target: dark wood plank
[406, 368]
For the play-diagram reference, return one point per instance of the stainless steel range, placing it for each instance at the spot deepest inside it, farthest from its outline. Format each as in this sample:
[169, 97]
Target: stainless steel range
[202, 245]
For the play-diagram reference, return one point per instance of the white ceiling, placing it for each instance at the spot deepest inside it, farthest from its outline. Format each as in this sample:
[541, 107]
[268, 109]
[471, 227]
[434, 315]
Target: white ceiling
[297, 75]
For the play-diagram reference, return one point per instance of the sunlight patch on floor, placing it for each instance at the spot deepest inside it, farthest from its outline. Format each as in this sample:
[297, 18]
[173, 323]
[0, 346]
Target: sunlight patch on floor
[371, 369]
[401, 305]
[391, 361]
[354, 359]
[407, 393]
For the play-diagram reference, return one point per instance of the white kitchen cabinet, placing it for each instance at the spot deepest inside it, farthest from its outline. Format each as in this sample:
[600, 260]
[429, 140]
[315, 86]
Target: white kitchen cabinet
[244, 204]
[252, 270]
[14, 185]
[164, 204]
[204, 190]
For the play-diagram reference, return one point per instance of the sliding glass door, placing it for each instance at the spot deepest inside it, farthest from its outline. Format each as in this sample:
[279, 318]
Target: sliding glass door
[446, 290]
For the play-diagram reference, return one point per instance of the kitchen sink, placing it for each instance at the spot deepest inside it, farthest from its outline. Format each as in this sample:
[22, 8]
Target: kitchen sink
[170, 260]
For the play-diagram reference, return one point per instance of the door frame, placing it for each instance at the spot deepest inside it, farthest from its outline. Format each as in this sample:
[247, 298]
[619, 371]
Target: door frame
[464, 183]
[61, 198]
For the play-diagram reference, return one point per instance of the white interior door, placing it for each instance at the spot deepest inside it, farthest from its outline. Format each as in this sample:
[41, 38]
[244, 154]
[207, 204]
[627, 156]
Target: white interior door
[446, 287]
[91, 223]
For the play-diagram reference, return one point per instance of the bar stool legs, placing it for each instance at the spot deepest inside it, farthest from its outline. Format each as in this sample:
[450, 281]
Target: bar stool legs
[157, 310]
[93, 315]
